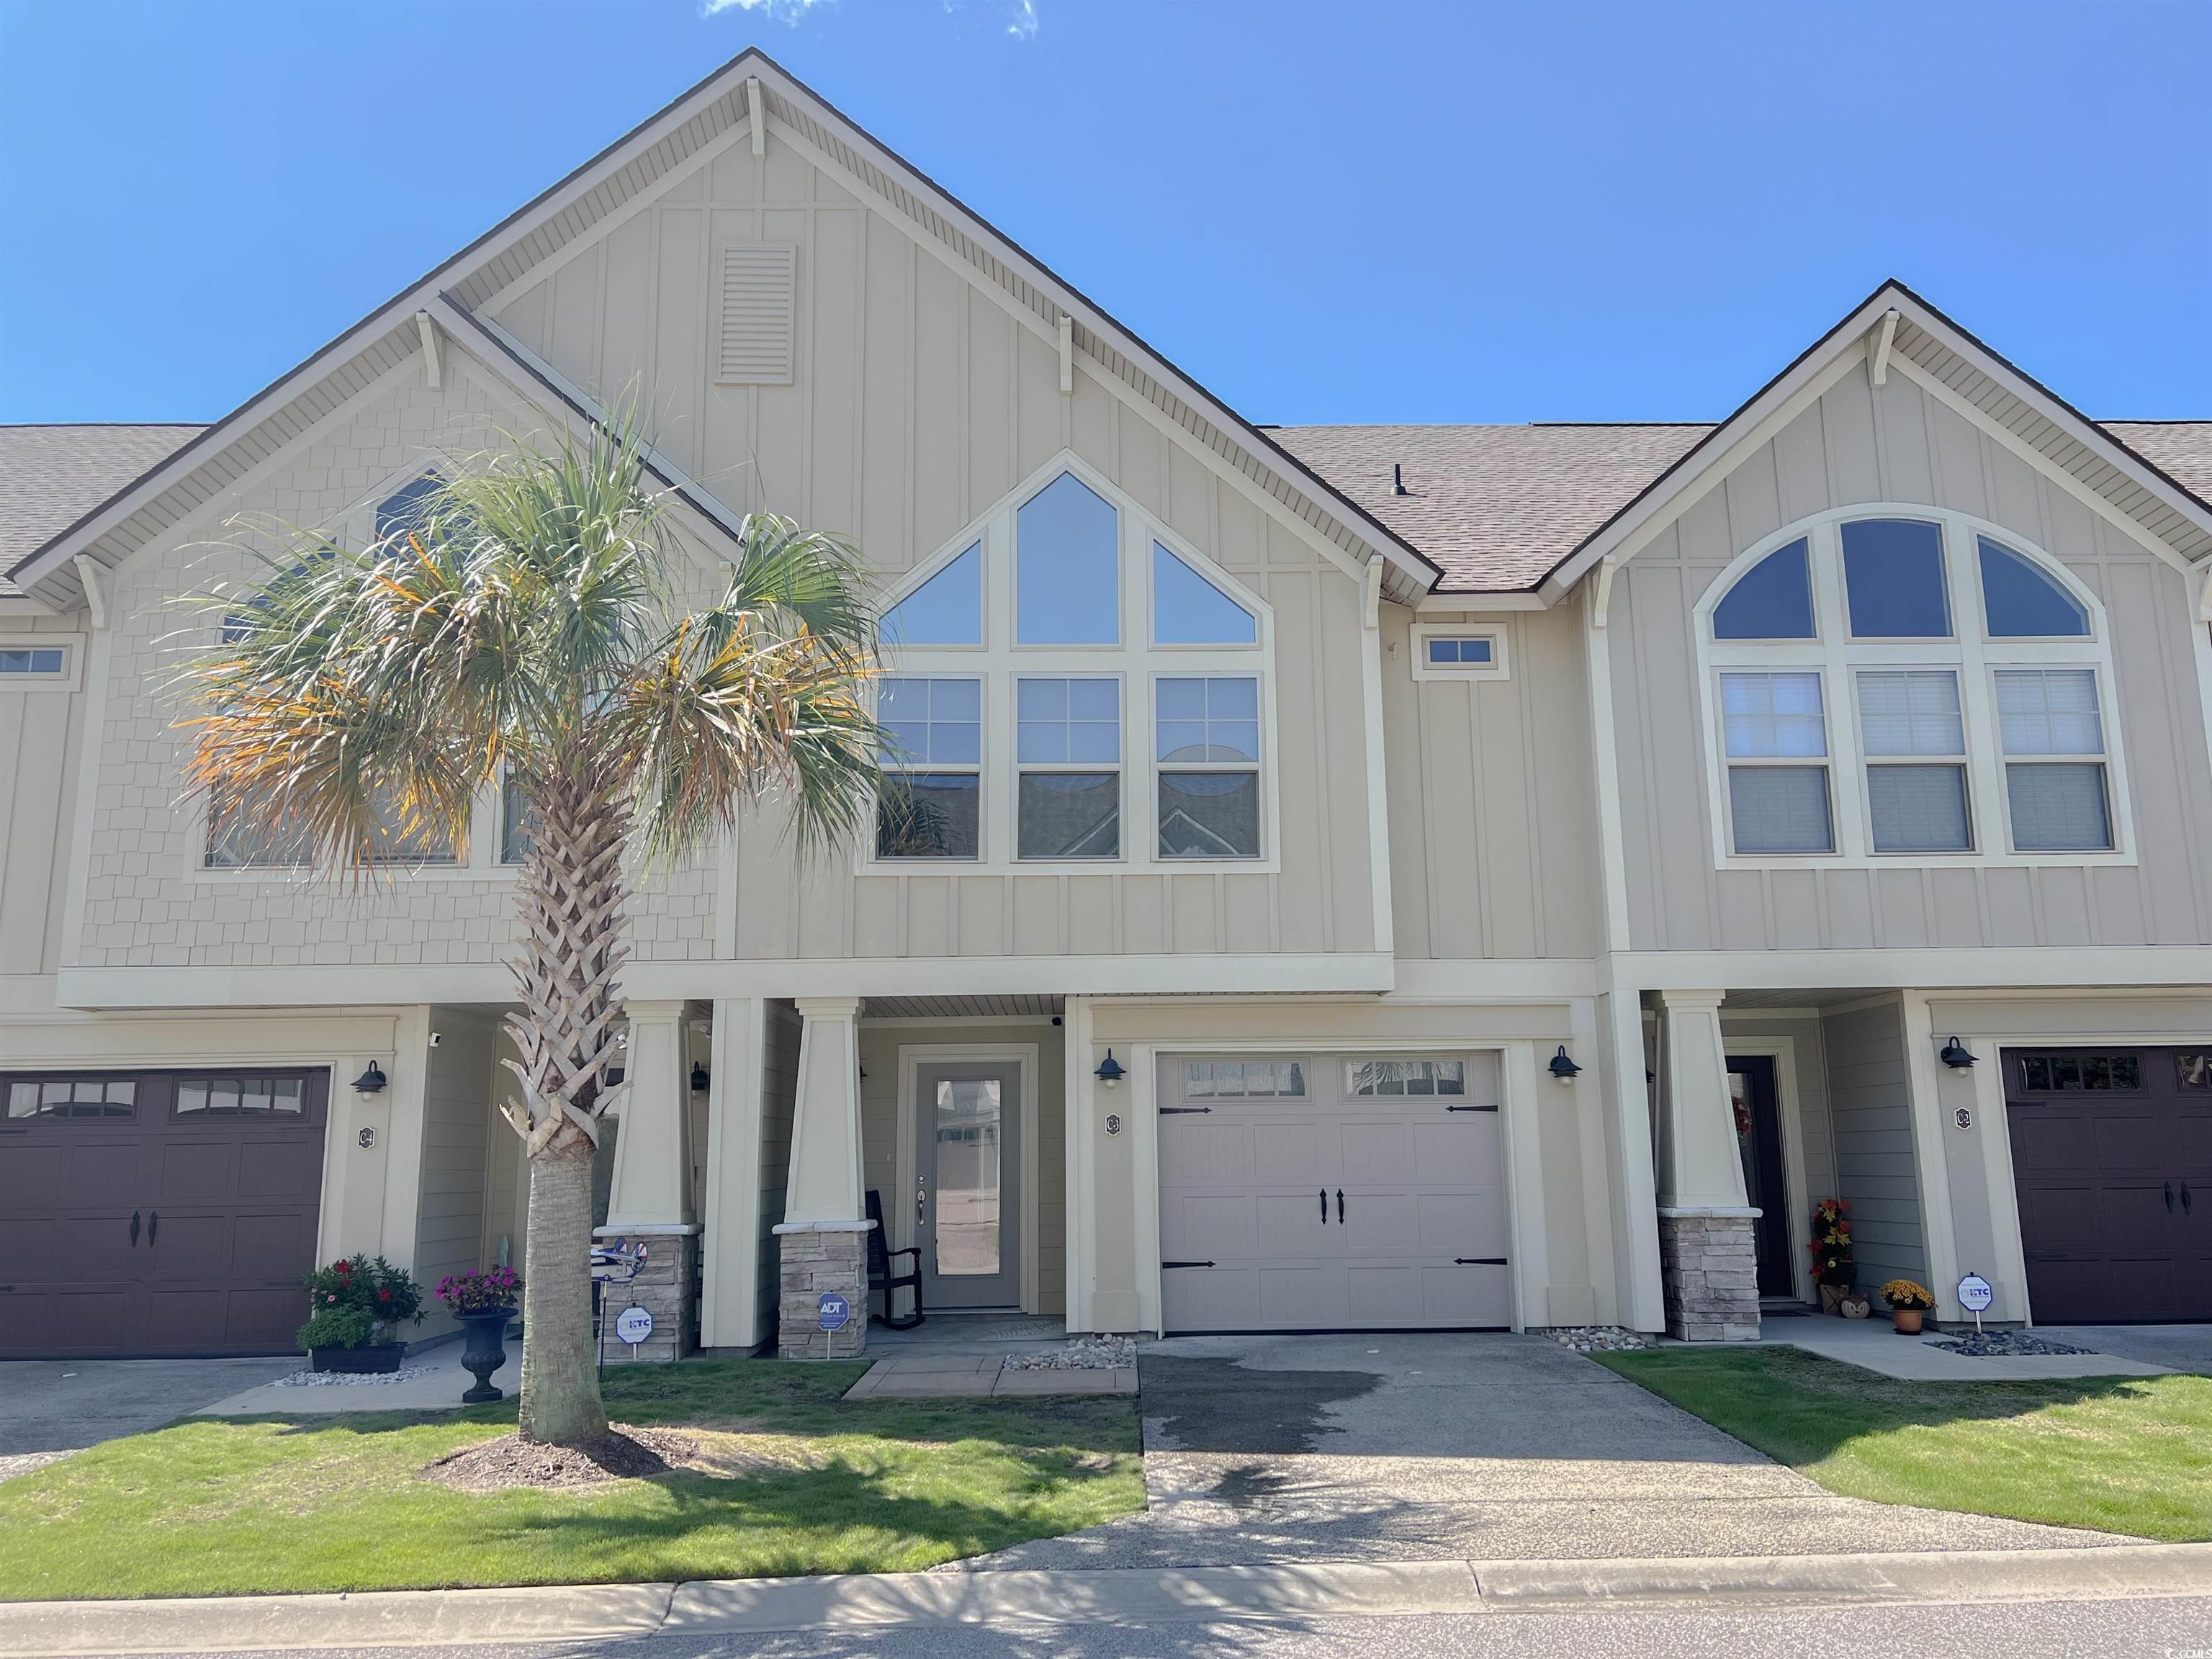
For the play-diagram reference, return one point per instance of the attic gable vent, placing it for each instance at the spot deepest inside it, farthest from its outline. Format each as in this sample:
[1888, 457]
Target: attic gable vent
[758, 286]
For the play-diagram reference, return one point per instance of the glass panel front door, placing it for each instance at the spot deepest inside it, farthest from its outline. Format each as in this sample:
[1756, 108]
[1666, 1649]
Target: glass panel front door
[967, 1195]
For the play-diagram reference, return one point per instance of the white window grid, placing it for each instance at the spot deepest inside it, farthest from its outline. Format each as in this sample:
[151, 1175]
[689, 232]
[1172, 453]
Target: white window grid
[999, 661]
[1837, 657]
[1081, 733]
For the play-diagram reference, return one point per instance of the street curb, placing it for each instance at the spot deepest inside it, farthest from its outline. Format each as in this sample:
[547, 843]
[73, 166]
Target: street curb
[367, 1619]
[1127, 1596]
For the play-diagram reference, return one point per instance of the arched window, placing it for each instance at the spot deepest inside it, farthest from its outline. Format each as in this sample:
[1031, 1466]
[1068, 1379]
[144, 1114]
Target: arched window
[1082, 646]
[1908, 685]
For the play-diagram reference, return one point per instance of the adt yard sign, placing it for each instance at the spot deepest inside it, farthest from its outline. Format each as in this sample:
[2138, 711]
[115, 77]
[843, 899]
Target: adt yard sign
[634, 1324]
[836, 1310]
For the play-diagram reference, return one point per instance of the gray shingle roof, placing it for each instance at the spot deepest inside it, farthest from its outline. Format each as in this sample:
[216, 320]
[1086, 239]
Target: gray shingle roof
[52, 475]
[1498, 507]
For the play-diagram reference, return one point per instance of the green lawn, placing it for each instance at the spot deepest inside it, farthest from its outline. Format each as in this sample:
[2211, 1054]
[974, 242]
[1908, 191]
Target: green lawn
[2128, 1455]
[813, 1484]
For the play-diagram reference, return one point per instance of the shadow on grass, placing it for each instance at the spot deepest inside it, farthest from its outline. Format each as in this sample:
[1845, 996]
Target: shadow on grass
[769, 1396]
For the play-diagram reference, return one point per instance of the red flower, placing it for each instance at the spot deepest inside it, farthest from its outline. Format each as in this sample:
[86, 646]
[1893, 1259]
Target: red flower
[384, 1295]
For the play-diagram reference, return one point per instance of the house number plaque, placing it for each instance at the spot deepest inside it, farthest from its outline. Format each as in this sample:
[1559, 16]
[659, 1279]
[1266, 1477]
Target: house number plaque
[1964, 1117]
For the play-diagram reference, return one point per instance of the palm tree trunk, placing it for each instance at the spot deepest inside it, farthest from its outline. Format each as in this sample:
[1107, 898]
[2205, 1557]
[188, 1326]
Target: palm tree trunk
[561, 1403]
[566, 1038]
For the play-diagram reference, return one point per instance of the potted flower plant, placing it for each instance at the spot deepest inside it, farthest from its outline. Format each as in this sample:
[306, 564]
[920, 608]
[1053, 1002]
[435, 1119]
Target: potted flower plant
[353, 1305]
[1908, 1301]
[1832, 1266]
[484, 1303]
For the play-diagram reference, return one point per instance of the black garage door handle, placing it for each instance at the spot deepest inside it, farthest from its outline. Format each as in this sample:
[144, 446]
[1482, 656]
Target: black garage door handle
[1339, 1207]
[153, 1227]
[134, 1230]
[2185, 1198]
[2169, 1198]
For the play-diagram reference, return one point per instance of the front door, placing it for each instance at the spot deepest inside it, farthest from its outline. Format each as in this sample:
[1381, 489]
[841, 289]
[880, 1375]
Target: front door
[1758, 1142]
[967, 1196]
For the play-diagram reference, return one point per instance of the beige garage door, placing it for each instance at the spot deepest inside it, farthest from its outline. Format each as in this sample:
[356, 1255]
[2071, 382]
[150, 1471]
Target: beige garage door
[1333, 1192]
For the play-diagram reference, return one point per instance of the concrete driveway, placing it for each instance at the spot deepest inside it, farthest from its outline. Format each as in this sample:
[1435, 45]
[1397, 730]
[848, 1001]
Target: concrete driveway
[50, 1406]
[1477, 1446]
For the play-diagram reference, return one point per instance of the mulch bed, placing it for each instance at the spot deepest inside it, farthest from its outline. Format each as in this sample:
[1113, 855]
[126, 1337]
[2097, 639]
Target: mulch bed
[623, 1453]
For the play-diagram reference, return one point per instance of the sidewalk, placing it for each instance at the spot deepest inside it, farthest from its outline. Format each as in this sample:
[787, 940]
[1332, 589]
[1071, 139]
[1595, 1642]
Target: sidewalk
[1115, 1597]
[440, 1385]
[1872, 1345]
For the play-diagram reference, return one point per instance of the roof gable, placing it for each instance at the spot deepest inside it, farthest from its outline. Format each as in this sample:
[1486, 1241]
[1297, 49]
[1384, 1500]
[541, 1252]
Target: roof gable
[178, 484]
[1952, 364]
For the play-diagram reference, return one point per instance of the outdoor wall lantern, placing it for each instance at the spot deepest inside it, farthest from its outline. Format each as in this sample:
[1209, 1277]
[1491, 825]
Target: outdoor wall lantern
[699, 1078]
[370, 1082]
[1955, 1055]
[1564, 1069]
[1111, 1071]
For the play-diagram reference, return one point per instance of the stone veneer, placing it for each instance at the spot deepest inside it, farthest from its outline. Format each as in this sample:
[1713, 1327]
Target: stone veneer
[1709, 1264]
[666, 1287]
[816, 1261]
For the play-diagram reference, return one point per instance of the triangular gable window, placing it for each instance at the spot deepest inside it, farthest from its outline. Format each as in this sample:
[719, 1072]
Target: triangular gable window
[1188, 610]
[946, 610]
[405, 509]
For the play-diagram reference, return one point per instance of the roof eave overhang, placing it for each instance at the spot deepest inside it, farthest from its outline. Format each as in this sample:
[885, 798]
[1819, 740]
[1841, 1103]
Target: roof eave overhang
[1710, 458]
[1410, 574]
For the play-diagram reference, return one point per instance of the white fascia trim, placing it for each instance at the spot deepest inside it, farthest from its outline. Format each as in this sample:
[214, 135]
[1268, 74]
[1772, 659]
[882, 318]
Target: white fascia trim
[1935, 968]
[1846, 345]
[1344, 974]
[1497, 981]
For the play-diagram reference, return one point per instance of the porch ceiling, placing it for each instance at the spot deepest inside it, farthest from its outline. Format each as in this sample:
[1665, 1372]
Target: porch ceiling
[972, 1007]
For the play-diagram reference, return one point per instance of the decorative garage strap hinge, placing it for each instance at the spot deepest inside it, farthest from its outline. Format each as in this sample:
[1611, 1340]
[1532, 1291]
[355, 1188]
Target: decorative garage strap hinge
[1186, 1264]
[1182, 1111]
[1478, 1261]
[1470, 1109]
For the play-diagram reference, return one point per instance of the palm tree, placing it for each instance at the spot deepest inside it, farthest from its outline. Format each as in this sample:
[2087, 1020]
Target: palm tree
[527, 625]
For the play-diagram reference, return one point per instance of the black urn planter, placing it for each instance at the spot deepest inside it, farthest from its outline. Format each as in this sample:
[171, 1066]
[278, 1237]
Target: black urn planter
[376, 1357]
[484, 1352]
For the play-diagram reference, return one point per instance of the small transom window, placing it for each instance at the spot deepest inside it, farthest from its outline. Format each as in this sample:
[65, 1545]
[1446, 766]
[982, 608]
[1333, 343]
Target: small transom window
[2046, 1074]
[1232, 1079]
[1406, 1077]
[72, 1096]
[41, 660]
[239, 1096]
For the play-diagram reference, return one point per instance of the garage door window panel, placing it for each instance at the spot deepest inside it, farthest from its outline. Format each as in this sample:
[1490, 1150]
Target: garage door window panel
[73, 1098]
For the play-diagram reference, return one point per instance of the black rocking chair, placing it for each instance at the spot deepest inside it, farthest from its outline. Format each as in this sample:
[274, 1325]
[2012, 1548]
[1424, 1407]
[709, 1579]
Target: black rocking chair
[880, 1277]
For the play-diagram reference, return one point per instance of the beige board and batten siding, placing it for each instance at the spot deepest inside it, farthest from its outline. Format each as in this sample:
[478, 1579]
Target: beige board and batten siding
[1045, 1160]
[42, 730]
[1877, 1167]
[1896, 444]
[1493, 852]
[918, 402]
[457, 1124]
[149, 901]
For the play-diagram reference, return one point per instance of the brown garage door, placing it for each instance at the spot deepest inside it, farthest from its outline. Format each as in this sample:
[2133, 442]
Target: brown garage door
[2112, 1156]
[157, 1212]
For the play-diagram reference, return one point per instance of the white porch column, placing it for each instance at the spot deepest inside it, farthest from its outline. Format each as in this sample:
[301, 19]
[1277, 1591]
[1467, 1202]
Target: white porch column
[652, 1153]
[823, 1239]
[650, 1204]
[1708, 1256]
[729, 1316]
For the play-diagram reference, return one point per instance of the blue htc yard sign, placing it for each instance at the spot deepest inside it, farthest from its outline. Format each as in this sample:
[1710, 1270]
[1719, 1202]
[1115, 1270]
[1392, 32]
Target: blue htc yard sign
[836, 1310]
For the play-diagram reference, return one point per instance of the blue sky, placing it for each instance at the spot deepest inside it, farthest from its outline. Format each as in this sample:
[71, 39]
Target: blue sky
[1360, 213]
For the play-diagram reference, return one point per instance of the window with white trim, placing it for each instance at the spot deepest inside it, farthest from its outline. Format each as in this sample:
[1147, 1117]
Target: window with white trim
[42, 662]
[1079, 628]
[1908, 684]
[931, 803]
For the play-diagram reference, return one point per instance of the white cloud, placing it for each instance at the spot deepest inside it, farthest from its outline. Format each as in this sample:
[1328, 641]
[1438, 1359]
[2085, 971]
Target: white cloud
[781, 11]
[1024, 24]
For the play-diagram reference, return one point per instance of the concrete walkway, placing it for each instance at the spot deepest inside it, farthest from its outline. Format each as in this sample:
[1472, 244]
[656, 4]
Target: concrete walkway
[1875, 1346]
[921, 1374]
[439, 1386]
[1039, 1602]
[1277, 1450]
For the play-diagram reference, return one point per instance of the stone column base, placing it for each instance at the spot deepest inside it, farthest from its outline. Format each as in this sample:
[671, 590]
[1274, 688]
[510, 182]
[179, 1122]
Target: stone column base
[666, 1287]
[1709, 1262]
[815, 1261]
